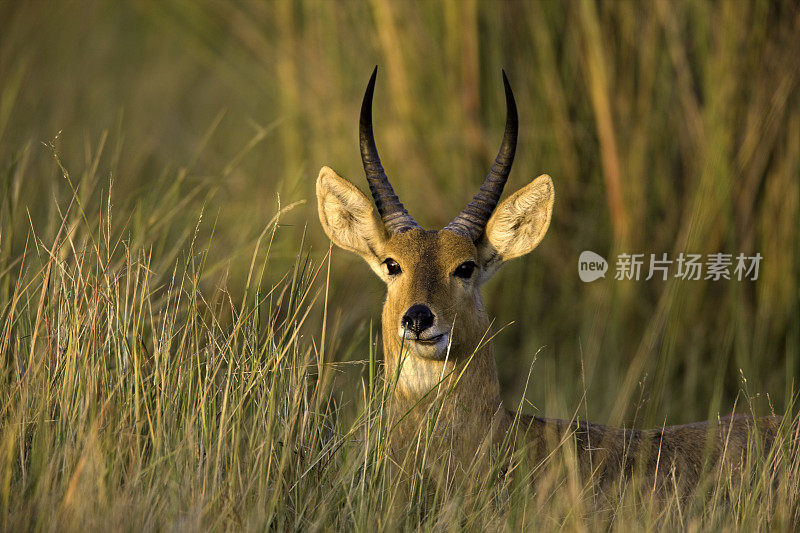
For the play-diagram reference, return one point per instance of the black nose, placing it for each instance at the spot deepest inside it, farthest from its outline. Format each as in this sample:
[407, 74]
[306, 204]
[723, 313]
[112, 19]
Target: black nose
[418, 318]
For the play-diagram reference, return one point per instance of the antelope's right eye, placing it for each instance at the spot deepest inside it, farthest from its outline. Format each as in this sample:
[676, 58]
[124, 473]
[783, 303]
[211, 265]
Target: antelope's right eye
[392, 267]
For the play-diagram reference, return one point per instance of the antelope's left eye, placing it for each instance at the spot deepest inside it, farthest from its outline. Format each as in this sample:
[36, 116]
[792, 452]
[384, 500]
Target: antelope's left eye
[465, 270]
[392, 267]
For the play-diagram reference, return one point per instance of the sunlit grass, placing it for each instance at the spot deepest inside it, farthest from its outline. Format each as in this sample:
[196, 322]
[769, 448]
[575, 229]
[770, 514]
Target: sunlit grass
[132, 397]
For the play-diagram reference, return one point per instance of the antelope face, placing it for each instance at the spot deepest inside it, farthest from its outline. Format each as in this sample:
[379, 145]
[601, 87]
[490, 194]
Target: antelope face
[433, 305]
[432, 301]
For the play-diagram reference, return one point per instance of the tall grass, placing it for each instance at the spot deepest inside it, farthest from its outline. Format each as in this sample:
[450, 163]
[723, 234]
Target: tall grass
[178, 348]
[133, 398]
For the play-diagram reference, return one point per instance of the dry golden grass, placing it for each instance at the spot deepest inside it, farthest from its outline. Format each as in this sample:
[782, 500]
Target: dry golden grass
[175, 354]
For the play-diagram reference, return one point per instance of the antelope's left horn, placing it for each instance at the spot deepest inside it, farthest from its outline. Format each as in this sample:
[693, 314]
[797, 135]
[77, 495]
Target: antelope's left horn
[472, 221]
[395, 217]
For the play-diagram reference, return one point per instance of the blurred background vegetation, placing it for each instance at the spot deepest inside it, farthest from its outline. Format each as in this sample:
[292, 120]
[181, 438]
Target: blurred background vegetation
[666, 126]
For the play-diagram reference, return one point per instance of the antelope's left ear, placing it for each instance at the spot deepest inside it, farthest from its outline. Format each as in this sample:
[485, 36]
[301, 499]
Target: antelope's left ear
[349, 219]
[518, 224]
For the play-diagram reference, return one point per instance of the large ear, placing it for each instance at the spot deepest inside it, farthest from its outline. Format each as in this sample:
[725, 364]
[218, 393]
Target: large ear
[349, 219]
[518, 224]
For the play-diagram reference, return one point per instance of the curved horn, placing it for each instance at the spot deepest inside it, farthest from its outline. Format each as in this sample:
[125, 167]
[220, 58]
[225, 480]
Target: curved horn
[471, 222]
[395, 217]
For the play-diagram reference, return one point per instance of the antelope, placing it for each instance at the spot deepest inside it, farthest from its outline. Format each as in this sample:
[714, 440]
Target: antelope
[435, 324]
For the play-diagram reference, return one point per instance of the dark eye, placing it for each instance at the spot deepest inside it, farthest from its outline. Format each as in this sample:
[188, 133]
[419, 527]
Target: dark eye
[465, 270]
[392, 266]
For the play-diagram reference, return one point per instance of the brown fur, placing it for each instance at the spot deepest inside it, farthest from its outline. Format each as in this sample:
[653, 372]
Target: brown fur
[669, 457]
[452, 390]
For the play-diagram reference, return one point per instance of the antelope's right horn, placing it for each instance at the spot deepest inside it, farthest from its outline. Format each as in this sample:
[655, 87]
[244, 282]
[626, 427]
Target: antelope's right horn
[395, 217]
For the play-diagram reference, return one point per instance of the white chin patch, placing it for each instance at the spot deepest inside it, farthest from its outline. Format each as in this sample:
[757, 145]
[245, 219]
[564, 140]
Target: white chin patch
[422, 365]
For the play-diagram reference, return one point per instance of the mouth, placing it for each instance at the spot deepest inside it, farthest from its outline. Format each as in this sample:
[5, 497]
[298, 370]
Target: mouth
[433, 347]
[437, 339]
[430, 340]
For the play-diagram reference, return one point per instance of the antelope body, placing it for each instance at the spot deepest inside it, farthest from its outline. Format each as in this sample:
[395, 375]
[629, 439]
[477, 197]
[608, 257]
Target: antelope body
[434, 323]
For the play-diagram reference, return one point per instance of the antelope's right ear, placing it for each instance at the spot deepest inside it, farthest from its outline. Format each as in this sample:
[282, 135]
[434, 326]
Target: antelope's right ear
[349, 218]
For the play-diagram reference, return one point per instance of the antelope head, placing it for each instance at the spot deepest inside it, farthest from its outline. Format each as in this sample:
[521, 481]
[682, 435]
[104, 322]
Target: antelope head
[434, 312]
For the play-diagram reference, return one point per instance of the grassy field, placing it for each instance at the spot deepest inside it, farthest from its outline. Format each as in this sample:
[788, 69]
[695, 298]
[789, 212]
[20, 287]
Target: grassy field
[180, 349]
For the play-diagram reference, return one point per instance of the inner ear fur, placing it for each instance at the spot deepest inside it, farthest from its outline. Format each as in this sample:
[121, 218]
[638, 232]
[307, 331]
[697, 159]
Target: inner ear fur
[349, 218]
[519, 222]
